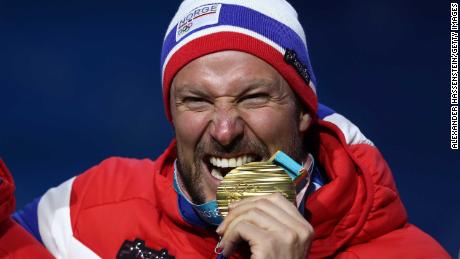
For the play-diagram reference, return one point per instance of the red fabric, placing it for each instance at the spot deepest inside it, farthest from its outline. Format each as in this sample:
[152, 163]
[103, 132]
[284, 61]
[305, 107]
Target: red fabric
[406, 242]
[7, 200]
[123, 199]
[358, 214]
[15, 242]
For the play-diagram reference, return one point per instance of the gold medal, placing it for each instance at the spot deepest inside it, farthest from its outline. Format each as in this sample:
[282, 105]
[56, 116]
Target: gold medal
[252, 180]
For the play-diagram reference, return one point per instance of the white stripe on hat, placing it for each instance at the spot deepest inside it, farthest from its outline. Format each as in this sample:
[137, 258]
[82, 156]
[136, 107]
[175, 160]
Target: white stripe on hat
[216, 29]
[223, 28]
[279, 10]
[273, 23]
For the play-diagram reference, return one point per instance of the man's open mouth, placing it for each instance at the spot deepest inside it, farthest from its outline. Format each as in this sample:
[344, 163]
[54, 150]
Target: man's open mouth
[219, 166]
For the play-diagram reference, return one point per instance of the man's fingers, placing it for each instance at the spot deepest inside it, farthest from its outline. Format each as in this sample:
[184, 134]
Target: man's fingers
[241, 231]
[266, 237]
[270, 224]
[257, 217]
[281, 211]
[276, 198]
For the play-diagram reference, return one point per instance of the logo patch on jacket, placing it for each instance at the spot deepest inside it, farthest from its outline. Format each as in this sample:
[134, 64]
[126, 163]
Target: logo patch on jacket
[137, 250]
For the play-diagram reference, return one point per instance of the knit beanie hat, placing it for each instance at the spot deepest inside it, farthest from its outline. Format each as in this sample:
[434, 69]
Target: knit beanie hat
[267, 29]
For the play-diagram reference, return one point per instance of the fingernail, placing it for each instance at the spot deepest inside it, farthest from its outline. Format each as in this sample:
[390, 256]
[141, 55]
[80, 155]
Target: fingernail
[219, 228]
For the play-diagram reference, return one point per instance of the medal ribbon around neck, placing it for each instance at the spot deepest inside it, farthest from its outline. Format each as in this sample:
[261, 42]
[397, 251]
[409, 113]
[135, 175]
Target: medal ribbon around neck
[279, 174]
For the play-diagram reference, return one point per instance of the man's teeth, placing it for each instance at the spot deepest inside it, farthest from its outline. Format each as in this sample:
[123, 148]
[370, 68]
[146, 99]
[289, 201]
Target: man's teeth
[232, 162]
[216, 173]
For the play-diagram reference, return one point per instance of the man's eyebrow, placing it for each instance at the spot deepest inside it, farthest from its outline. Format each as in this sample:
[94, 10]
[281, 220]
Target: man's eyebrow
[260, 83]
[189, 89]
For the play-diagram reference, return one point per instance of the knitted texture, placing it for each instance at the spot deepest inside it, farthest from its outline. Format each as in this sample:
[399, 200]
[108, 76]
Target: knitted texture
[267, 29]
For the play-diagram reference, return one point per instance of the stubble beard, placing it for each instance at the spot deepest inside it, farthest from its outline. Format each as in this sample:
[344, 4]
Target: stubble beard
[190, 172]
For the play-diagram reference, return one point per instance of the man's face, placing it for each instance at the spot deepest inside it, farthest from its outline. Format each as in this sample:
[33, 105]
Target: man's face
[230, 108]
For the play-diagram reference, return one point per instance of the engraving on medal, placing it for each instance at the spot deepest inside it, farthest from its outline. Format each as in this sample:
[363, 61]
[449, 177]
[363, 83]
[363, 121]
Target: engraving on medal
[252, 180]
[238, 192]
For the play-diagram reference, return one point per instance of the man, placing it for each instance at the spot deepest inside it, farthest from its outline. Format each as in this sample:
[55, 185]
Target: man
[237, 87]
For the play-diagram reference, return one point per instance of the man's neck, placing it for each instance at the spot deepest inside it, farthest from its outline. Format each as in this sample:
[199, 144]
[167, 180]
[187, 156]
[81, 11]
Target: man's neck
[181, 185]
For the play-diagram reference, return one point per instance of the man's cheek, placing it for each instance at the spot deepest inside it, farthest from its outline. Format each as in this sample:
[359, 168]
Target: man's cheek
[190, 128]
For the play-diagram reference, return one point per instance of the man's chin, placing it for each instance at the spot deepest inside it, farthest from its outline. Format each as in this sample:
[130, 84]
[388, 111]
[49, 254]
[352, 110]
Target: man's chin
[211, 190]
[206, 189]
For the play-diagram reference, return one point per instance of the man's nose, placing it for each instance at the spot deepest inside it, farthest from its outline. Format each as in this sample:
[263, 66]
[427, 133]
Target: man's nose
[226, 126]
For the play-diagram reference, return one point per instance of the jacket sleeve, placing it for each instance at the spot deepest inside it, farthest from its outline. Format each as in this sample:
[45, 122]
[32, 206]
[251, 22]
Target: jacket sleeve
[407, 242]
[49, 219]
[15, 242]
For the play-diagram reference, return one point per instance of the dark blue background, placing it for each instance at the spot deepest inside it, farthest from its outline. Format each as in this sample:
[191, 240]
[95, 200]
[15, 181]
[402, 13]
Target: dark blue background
[80, 81]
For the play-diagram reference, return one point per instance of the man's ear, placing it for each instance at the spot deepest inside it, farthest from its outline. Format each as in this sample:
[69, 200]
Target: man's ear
[305, 121]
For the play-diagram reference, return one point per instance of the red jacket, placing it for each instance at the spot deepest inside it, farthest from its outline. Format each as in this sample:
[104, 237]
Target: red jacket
[15, 242]
[358, 214]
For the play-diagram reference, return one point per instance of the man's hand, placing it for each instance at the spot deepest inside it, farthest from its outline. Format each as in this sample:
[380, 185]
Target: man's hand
[270, 224]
